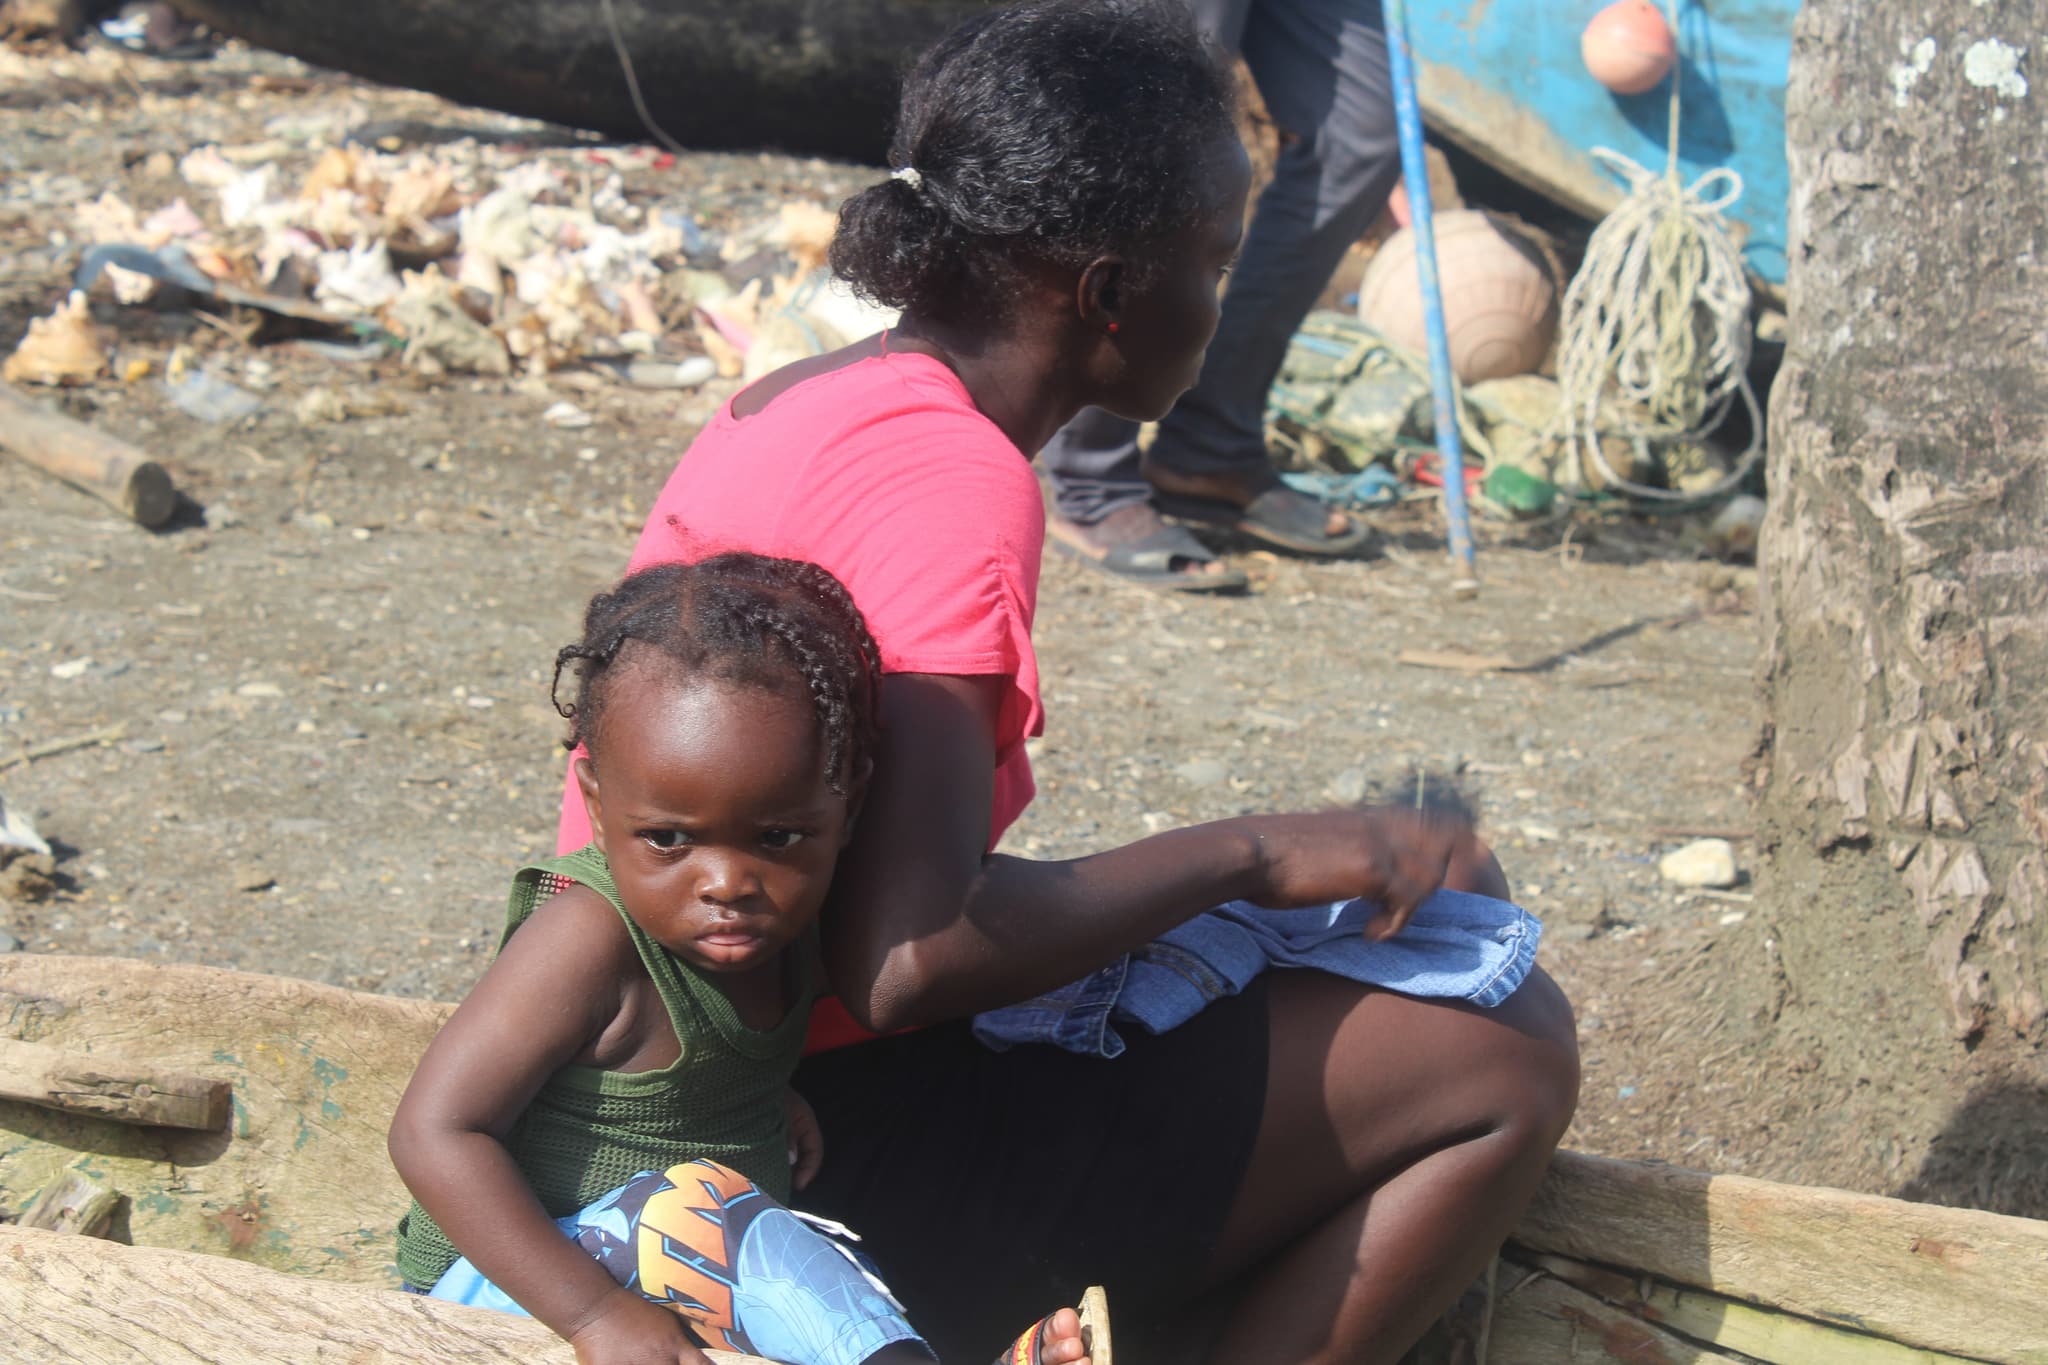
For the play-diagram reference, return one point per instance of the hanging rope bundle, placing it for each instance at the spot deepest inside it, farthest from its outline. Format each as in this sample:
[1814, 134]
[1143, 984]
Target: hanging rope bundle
[1654, 335]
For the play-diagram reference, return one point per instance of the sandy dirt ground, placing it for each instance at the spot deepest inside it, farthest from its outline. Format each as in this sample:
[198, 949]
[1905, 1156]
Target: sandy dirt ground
[317, 702]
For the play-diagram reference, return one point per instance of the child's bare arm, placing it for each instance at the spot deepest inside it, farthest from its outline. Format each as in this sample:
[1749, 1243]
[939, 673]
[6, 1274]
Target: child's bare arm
[806, 1140]
[545, 1002]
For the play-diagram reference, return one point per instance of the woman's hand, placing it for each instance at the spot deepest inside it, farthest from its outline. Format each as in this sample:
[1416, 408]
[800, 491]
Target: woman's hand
[806, 1140]
[926, 924]
[629, 1330]
[1391, 855]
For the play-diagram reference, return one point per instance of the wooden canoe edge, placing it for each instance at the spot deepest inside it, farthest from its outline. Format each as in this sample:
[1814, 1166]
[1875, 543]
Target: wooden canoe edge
[1538, 1319]
[1961, 1282]
[299, 1180]
[78, 1299]
[63, 979]
[1958, 1281]
[1713, 1321]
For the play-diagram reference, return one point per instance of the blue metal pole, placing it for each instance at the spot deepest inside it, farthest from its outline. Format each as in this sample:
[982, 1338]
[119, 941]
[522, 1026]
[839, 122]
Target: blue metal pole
[1415, 171]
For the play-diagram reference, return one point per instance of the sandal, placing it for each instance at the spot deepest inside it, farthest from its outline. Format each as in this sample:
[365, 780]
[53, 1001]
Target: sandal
[1158, 559]
[1094, 1311]
[1279, 516]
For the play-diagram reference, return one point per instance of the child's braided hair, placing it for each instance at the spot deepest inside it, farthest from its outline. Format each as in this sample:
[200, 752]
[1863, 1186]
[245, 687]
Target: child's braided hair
[739, 618]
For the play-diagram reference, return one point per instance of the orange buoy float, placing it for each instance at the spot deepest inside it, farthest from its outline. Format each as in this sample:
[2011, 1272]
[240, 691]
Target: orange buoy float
[1499, 300]
[1628, 47]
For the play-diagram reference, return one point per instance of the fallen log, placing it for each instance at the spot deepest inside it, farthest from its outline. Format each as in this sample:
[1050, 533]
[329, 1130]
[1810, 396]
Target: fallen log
[109, 469]
[86, 1302]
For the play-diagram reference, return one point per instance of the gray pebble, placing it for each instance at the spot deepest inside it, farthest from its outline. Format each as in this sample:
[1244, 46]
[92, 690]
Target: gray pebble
[253, 877]
[1201, 772]
[9, 943]
[1348, 787]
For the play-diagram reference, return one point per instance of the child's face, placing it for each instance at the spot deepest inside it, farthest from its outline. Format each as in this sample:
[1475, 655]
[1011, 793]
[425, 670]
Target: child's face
[710, 803]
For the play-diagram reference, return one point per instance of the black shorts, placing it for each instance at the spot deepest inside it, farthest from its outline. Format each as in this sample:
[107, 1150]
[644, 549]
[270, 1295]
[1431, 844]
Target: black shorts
[984, 1215]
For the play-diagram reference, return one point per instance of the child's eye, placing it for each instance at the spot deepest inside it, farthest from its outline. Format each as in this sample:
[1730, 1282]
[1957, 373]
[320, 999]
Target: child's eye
[782, 838]
[667, 840]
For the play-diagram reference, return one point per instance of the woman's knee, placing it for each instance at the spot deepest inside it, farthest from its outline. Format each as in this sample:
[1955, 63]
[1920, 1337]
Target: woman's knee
[1478, 871]
[1511, 1071]
[1538, 1069]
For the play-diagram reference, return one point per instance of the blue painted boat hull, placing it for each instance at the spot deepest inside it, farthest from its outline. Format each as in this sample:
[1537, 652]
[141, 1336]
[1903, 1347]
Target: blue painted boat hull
[1504, 80]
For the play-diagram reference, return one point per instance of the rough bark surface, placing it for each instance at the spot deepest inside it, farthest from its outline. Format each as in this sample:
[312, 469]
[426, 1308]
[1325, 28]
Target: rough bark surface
[1905, 776]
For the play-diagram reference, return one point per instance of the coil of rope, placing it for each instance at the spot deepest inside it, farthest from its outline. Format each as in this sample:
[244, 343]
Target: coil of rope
[1654, 334]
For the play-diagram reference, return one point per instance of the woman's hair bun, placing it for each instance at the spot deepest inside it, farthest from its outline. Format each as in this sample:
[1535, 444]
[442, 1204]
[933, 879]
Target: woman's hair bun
[1054, 130]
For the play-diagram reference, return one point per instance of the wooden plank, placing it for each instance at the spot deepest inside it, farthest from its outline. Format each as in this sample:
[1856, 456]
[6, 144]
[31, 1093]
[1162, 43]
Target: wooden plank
[111, 1087]
[299, 1181]
[1960, 1281]
[1540, 1320]
[74, 1204]
[86, 1302]
[1776, 1337]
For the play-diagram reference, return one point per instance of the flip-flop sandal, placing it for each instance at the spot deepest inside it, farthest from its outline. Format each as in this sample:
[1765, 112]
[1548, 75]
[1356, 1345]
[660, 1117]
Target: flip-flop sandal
[1150, 561]
[1279, 516]
[1094, 1311]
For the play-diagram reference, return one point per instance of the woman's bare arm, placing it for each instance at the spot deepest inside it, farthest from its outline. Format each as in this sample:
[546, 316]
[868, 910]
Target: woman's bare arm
[925, 925]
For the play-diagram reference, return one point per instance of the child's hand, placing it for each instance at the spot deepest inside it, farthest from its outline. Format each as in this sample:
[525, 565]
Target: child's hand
[629, 1330]
[806, 1140]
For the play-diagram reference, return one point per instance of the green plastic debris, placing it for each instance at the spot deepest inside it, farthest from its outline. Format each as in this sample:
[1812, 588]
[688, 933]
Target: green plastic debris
[1518, 491]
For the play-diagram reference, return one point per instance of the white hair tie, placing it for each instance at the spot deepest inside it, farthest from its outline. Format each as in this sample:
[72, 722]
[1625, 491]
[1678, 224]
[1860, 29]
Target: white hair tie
[910, 176]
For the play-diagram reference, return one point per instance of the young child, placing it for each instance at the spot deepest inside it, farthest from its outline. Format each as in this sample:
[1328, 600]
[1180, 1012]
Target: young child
[603, 1132]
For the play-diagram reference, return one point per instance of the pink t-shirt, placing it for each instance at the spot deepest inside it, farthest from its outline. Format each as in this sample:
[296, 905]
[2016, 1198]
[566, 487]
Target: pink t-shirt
[885, 473]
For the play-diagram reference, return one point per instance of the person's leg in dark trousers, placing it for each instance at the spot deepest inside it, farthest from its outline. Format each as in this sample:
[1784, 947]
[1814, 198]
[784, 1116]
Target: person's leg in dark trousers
[1321, 67]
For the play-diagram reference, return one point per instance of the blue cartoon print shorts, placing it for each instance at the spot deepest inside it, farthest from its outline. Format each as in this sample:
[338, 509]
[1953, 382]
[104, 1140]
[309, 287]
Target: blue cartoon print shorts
[748, 1274]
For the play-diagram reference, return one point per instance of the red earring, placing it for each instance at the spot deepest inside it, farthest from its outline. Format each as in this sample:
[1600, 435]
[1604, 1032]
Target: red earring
[1112, 329]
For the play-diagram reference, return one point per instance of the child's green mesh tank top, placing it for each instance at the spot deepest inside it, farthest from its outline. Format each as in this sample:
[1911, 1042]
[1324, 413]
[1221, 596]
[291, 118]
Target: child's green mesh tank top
[589, 1131]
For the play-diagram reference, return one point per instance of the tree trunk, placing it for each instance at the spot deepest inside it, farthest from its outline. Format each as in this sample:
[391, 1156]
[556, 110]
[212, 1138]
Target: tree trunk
[1903, 944]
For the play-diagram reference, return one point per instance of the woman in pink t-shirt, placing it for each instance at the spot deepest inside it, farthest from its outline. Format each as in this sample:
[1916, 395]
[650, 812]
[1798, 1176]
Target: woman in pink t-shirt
[1332, 1162]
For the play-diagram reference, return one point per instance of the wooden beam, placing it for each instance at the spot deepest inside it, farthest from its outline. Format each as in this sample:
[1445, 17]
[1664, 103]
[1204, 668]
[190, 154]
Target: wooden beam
[1540, 1320]
[87, 1302]
[1958, 1281]
[110, 1088]
[1730, 1324]
[74, 1204]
